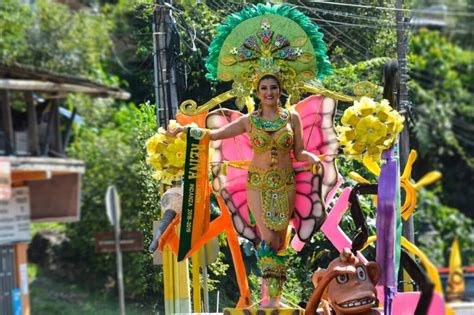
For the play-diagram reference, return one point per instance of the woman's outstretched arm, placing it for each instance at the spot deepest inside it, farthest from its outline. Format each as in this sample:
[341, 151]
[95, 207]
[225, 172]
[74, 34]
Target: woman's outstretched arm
[233, 129]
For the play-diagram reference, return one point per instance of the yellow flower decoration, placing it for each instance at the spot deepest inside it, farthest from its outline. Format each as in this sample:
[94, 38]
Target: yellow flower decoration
[365, 106]
[176, 152]
[156, 143]
[368, 128]
[156, 160]
[166, 155]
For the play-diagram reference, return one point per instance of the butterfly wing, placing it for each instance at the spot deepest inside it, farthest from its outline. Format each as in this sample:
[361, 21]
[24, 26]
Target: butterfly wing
[314, 191]
[231, 184]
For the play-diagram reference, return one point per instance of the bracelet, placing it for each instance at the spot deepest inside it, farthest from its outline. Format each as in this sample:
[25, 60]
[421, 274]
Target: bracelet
[198, 133]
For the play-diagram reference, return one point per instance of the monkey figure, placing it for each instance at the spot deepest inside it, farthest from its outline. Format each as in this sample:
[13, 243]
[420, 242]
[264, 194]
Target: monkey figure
[347, 285]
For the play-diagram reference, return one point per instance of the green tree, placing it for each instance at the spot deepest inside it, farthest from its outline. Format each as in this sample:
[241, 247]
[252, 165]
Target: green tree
[48, 35]
[14, 22]
[113, 148]
[441, 91]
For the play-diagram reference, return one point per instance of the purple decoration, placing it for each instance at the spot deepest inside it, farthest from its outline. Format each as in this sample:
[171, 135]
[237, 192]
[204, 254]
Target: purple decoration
[389, 295]
[386, 222]
[251, 42]
[245, 54]
[280, 42]
[289, 53]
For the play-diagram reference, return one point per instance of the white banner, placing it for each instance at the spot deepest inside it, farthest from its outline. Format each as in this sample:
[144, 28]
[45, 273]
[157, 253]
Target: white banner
[15, 217]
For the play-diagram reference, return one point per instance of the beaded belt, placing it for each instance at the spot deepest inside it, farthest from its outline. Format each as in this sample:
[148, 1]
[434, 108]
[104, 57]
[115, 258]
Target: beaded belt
[272, 178]
[273, 184]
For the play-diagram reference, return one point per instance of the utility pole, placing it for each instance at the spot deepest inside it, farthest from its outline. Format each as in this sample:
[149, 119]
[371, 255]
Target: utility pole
[165, 40]
[404, 103]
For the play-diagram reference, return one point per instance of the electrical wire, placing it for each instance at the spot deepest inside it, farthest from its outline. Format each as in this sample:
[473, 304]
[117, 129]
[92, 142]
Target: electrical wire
[392, 27]
[450, 13]
[347, 37]
[371, 19]
[344, 14]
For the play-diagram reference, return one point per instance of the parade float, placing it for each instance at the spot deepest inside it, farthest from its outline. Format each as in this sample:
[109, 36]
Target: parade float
[197, 164]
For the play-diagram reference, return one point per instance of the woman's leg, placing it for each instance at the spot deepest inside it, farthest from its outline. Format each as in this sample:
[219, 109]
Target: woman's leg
[255, 206]
[284, 235]
[273, 266]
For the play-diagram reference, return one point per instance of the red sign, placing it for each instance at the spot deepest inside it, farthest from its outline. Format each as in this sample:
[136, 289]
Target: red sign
[131, 241]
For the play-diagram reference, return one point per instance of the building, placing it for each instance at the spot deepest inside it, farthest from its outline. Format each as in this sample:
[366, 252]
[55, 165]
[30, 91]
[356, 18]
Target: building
[38, 182]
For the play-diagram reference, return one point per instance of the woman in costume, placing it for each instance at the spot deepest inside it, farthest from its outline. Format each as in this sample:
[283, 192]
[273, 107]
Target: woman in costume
[266, 50]
[273, 132]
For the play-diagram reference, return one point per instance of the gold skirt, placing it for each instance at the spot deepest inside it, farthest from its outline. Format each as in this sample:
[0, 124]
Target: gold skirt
[273, 184]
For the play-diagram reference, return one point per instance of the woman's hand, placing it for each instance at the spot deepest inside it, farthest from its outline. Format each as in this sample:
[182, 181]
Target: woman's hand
[313, 159]
[315, 162]
[174, 129]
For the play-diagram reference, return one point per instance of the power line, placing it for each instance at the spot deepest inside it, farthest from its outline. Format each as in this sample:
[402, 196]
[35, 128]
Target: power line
[343, 14]
[393, 27]
[451, 13]
[350, 47]
[344, 34]
[366, 18]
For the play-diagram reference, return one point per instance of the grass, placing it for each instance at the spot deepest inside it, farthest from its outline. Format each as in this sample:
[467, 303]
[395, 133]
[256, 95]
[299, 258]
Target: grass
[50, 296]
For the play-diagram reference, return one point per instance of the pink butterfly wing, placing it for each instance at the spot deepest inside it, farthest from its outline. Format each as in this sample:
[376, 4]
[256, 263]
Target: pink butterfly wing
[232, 187]
[312, 191]
[317, 116]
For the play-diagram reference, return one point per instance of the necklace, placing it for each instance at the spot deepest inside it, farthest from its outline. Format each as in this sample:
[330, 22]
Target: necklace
[270, 125]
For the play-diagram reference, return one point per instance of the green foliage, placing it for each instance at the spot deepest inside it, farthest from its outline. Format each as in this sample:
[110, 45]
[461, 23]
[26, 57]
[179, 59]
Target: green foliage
[14, 25]
[114, 155]
[440, 90]
[133, 45]
[436, 227]
[50, 36]
[204, 21]
[51, 295]
[346, 76]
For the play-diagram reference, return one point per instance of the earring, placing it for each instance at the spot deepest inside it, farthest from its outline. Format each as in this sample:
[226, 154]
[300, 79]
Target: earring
[288, 102]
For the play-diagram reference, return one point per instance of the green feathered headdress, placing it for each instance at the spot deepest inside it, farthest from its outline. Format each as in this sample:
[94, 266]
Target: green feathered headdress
[267, 39]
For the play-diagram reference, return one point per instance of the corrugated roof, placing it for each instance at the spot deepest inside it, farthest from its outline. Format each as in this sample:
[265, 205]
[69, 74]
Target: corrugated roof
[23, 77]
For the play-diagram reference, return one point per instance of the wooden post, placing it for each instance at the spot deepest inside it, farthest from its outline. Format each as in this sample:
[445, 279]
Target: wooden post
[22, 276]
[183, 299]
[68, 132]
[33, 137]
[7, 122]
[47, 136]
[56, 135]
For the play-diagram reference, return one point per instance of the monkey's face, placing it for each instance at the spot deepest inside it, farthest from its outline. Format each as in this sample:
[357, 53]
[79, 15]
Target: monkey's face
[352, 292]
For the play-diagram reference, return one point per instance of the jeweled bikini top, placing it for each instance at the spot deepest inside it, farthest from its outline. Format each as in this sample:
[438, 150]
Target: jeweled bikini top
[261, 138]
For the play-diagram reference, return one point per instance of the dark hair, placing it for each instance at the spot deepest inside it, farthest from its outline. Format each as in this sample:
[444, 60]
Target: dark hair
[269, 76]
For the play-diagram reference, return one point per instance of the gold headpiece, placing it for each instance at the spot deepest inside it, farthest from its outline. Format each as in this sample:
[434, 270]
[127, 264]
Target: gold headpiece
[267, 40]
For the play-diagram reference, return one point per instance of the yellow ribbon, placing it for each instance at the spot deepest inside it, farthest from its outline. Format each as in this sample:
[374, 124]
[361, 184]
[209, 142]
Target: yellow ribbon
[412, 249]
